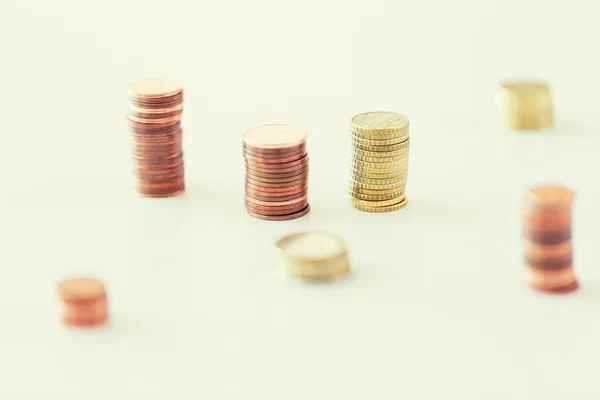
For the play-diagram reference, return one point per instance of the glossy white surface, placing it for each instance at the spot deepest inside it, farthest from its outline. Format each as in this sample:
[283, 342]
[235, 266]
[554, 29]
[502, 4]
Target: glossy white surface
[436, 307]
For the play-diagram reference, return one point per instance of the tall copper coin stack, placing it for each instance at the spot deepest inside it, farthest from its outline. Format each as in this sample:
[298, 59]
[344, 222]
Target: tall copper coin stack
[155, 123]
[379, 161]
[276, 172]
[547, 232]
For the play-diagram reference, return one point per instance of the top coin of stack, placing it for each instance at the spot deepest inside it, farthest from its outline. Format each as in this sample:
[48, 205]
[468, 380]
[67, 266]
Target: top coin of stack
[155, 123]
[276, 172]
[313, 255]
[525, 105]
[379, 161]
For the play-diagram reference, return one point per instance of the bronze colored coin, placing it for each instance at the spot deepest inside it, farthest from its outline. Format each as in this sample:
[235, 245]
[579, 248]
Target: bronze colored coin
[277, 156]
[154, 89]
[275, 198]
[144, 186]
[135, 109]
[86, 311]
[274, 136]
[301, 167]
[271, 190]
[156, 140]
[85, 324]
[253, 164]
[276, 203]
[161, 194]
[81, 290]
[156, 121]
[273, 212]
[303, 175]
[275, 151]
[275, 208]
[376, 192]
[150, 129]
[267, 161]
[543, 196]
[285, 217]
[275, 185]
[277, 175]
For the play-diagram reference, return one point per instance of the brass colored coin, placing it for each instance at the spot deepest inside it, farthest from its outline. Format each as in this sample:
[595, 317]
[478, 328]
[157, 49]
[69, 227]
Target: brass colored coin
[374, 186]
[370, 175]
[275, 185]
[379, 123]
[379, 203]
[378, 182]
[379, 167]
[356, 157]
[389, 208]
[376, 191]
[284, 217]
[370, 197]
[378, 142]
[378, 154]
[390, 148]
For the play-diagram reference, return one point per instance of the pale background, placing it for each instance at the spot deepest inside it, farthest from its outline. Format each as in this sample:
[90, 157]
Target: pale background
[436, 307]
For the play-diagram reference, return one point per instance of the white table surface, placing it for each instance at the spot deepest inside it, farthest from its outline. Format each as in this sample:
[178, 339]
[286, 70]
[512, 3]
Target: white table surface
[436, 306]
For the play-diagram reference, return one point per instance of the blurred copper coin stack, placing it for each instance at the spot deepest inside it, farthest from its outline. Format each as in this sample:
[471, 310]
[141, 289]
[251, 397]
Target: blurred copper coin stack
[84, 302]
[379, 161]
[155, 123]
[276, 172]
[525, 105]
[547, 232]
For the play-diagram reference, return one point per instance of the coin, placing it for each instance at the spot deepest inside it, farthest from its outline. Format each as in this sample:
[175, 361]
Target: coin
[259, 163]
[378, 203]
[265, 161]
[274, 136]
[371, 197]
[280, 155]
[253, 195]
[382, 168]
[275, 169]
[360, 175]
[154, 89]
[380, 124]
[376, 191]
[302, 175]
[379, 154]
[263, 174]
[388, 148]
[525, 105]
[387, 208]
[378, 142]
[84, 302]
[377, 183]
[284, 217]
[279, 203]
[283, 189]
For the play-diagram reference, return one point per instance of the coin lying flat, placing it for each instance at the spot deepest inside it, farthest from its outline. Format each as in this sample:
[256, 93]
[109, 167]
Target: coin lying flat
[155, 123]
[276, 172]
[313, 255]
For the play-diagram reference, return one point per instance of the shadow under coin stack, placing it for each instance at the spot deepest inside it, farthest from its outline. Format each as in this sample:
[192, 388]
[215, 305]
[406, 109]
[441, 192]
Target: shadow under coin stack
[547, 232]
[84, 302]
[379, 161]
[313, 255]
[155, 123]
[276, 172]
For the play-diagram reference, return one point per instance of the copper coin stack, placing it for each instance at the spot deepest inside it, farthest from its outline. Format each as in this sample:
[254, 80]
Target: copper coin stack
[276, 172]
[547, 232]
[84, 302]
[155, 123]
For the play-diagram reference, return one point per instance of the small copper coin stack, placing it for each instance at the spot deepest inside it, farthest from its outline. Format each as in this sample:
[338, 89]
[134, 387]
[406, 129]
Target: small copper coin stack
[276, 172]
[84, 302]
[155, 123]
[547, 232]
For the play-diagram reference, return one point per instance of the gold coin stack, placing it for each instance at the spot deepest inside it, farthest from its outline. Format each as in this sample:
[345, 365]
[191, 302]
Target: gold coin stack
[525, 105]
[379, 161]
[313, 255]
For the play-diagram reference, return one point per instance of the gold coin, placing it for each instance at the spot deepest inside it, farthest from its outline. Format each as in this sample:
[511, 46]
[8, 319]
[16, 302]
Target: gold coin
[392, 207]
[379, 124]
[375, 184]
[376, 191]
[378, 167]
[525, 105]
[360, 157]
[369, 175]
[380, 203]
[378, 142]
[358, 152]
[380, 149]
[370, 197]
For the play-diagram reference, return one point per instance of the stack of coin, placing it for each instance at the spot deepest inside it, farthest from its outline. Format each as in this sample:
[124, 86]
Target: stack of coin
[379, 161]
[525, 105]
[155, 123]
[276, 172]
[313, 255]
[84, 302]
[547, 232]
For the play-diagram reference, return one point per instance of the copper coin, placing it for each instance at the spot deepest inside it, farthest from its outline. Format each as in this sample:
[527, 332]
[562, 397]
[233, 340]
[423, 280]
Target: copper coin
[284, 217]
[135, 109]
[561, 290]
[301, 167]
[85, 323]
[163, 191]
[548, 251]
[156, 140]
[81, 290]
[154, 89]
[274, 136]
[269, 161]
[302, 175]
[550, 280]
[549, 195]
[275, 185]
[157, 102]
[549, 265]
[275, 198]
[274, 151]
[156, 121]
[279, 203]
[252, 164]
[547, 237]
[286, 154]
[86, 311]
[271, 190]
[145, 186]
[163, 194]
[285, 211]
[152, 174]
[269, 175]
[148, 129]
[266, 207]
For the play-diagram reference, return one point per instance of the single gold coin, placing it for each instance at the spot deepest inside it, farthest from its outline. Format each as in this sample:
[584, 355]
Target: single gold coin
[376, 191]
[525, 105]
[370, 197]
[360, 184]
[356, 157]
[379, 167]
[387, 149]
[369, 175]
[379, 142]
[376, 181]
[380, 203]
[357, 152]
[379, 124]
[389, 208]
